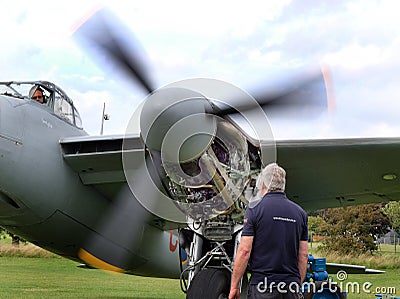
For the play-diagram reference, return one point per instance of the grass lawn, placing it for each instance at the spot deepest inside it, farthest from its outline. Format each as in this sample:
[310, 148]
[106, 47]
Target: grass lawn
[54, 277]
[369, 284]
[31, 272]
[60, 278]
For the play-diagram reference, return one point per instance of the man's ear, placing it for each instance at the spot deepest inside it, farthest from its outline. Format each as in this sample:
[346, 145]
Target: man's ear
[263, 189]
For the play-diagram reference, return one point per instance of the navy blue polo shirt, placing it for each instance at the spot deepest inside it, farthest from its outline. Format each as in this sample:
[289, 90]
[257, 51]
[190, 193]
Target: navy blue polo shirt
[278, 225]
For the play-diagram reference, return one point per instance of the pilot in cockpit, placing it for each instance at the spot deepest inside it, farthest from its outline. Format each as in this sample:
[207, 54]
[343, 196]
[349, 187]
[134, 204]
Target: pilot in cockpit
[36, 93]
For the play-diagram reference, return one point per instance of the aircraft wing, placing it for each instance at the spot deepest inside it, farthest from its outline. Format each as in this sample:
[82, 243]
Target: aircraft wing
[335, 172]
[320, 173]
[98, 159]
[334, 268]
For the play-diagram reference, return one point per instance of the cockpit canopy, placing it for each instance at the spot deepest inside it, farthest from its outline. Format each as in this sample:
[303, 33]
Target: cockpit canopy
[53, 97]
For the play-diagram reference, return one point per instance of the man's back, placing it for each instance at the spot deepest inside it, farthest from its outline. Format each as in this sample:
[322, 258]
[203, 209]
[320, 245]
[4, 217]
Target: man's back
[277, 225]
[274, 241]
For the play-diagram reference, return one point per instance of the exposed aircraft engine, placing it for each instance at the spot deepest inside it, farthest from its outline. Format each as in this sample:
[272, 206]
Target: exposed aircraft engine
[211, 183]
[210, 188]
[201, 158]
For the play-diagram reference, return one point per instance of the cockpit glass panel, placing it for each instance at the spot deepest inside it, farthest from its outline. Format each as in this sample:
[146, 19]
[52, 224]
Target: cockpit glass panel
[62, 108]
[53, 97]
[78, 120]
[14, 90]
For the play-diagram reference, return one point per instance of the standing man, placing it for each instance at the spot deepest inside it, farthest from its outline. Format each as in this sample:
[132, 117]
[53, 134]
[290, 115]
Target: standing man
[274, 240]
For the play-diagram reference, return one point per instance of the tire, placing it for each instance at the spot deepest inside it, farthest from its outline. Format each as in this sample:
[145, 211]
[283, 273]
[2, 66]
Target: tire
[332, 291]
[209, 284]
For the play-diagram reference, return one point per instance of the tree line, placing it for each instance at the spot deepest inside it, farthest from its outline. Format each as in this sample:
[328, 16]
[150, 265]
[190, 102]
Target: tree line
[354, 229]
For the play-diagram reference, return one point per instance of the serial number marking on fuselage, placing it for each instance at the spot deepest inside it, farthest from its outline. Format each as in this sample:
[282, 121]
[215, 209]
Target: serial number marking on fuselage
[47, 123]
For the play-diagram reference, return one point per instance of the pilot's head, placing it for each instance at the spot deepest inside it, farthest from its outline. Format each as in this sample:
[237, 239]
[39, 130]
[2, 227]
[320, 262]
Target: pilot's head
[36, 93]
[272, 178]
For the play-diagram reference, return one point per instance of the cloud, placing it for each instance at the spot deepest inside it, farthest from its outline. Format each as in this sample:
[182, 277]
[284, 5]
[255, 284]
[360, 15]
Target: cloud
[240, 43]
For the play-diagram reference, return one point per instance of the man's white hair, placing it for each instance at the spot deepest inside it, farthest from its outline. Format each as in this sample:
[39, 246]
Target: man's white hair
[273, 177]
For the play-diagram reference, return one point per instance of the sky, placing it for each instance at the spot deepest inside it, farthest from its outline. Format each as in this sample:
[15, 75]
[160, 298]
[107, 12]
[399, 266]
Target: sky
[243, 43]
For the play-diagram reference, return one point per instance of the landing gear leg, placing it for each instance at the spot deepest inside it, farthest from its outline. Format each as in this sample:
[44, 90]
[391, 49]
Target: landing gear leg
[194, 256]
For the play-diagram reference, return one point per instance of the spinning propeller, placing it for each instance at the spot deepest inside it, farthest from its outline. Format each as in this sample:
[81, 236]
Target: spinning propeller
[103, 35]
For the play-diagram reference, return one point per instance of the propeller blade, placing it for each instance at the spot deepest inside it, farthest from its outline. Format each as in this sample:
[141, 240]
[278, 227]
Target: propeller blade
[118, 235]
[300, 93]
[115, 244]
[107, 38]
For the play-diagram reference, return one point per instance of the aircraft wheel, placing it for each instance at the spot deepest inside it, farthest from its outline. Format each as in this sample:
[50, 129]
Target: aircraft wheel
[209, 283]
[324, 290]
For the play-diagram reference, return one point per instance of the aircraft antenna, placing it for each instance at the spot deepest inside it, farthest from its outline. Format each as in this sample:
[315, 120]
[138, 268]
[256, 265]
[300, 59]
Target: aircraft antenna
[103, 118]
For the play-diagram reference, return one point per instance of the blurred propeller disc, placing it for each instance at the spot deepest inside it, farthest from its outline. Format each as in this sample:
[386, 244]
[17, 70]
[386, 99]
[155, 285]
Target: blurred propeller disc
[110, 42]
[114, 244]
